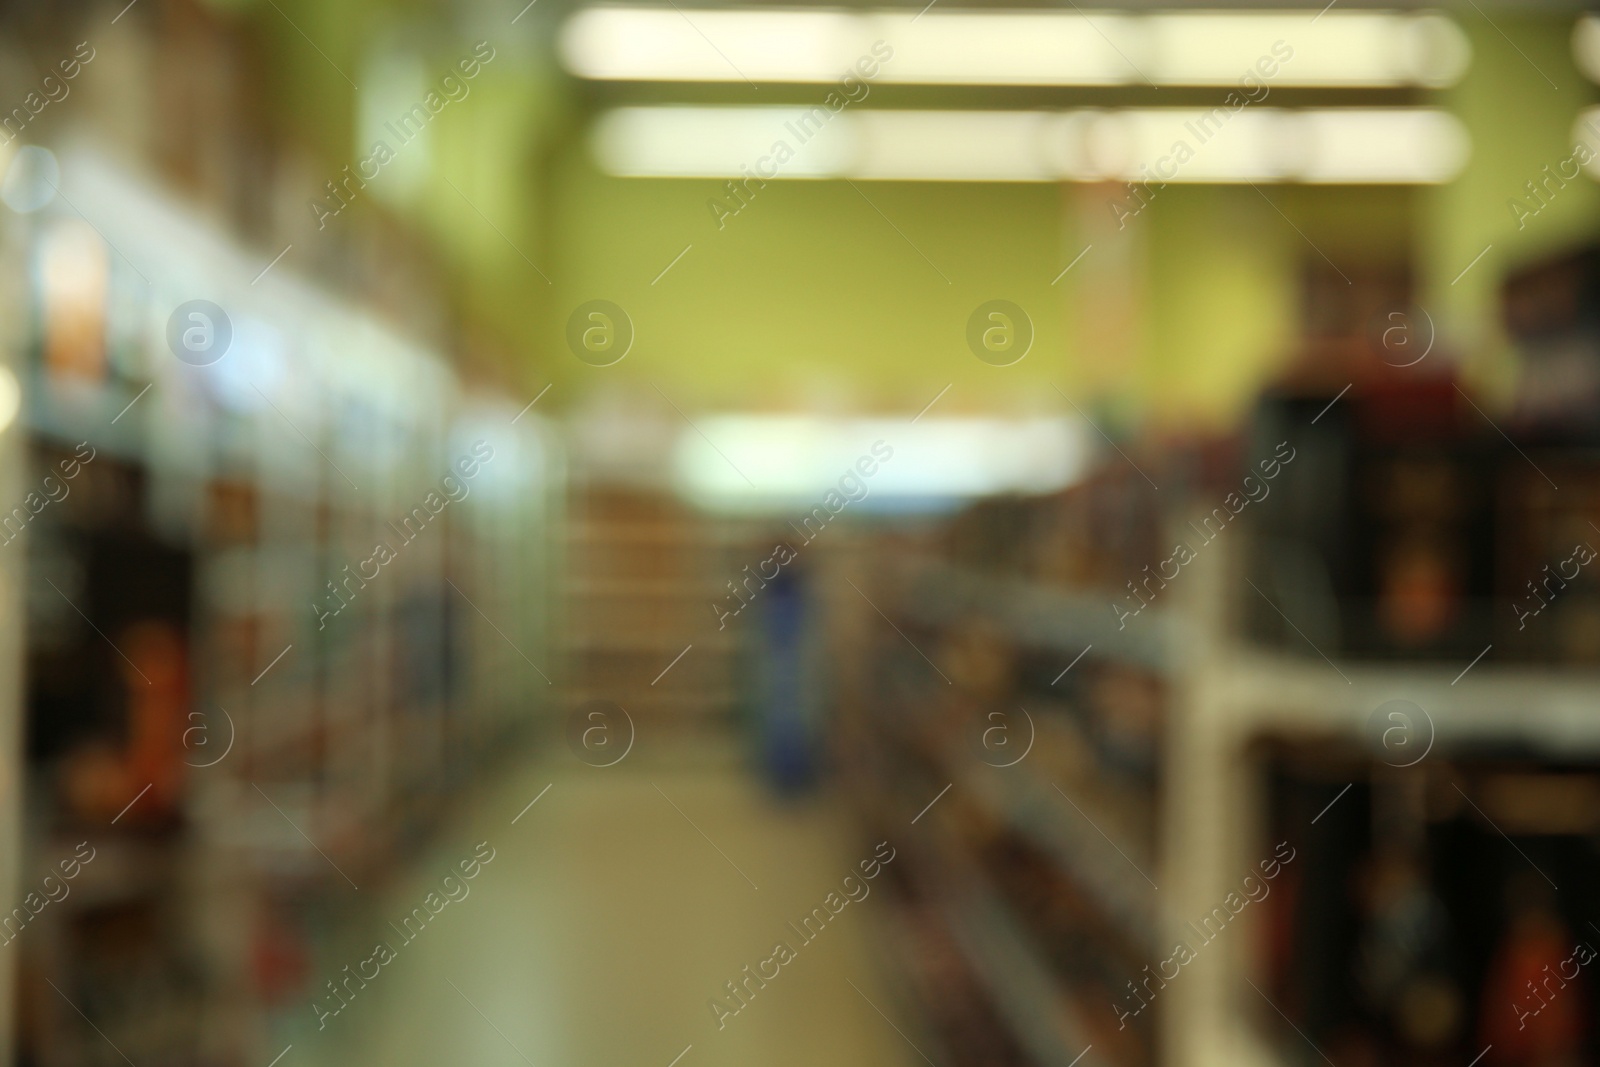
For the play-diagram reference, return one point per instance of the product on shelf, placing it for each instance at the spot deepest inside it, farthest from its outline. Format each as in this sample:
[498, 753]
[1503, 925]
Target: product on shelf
[1036, 769]
[232, 697]
[1551, 309]
[1426, 928]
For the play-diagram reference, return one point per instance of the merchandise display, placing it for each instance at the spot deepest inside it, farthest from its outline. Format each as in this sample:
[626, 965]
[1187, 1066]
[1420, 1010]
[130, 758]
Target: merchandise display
[515, 518]
[1037, 743]
[222, 667]
[1424, 925]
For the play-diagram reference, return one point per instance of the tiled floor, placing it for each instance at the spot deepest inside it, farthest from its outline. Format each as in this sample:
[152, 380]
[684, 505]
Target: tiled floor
[605, 924]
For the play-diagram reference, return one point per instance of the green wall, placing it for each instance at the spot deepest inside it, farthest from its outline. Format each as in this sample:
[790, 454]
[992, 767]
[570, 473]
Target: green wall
[812, 297]
[809, 294]
[1518, 123]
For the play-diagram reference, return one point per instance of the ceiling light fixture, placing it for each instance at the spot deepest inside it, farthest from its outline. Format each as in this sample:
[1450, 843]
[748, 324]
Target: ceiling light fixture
[1349, 146]
[1586, 46]
[788, 462]
[1336, 49]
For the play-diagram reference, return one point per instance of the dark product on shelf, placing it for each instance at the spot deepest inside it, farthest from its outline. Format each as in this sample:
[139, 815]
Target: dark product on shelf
[134, 979]
[1548, 559]
[1381, 541]
[178, 685]
[1535, 997]
[979, 697]
[115, 731]
[1094, 534]
[992, 535]
[1426, 927]
[1403, 958]
[1420, 575]
[280, 955]
[1552, 311]
[957, 1009]
[99, 778]
[1127, 719]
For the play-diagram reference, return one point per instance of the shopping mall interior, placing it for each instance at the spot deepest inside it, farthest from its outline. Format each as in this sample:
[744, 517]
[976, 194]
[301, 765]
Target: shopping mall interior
[812, 533]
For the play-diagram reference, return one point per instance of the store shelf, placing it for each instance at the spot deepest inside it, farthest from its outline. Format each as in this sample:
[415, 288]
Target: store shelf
[1037, 813]
[1037, 1008]
[659, 700]
[1036, 616]
[896, 939]
[583, 531]
[601, 643]
[581, 586]
[1534, 705]
[206, 529]
[1028, 805]
[1040, 866]
[1024, 989]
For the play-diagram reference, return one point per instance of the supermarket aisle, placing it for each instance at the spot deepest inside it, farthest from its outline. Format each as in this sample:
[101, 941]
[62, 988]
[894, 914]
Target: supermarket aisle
[604, 924]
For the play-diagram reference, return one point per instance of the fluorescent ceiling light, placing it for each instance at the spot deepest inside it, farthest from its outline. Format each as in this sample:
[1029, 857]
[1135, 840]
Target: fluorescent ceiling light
[974, 146]
[706, 142]
[792, 462]
[1330, 146]
[1357, 147]
[1344, 49]
[1586, 46]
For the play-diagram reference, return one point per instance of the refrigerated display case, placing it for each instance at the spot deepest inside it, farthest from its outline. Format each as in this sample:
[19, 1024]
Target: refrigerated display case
[285, 600]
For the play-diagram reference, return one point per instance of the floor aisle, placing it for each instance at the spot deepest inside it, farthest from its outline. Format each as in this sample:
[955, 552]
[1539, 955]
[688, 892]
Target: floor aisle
[605, 923]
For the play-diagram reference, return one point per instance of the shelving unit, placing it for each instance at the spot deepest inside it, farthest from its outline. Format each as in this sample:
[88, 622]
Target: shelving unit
[1217, 814]
[1023, 986]
[643, 572]
[1034, 615]
[239, 753]
[1040, 855]
[966, 642]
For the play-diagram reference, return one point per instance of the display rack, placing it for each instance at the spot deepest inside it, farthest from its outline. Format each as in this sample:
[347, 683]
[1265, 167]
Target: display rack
[961, 642]
[318, 746]
[1038, 849]
[642, 571]
[1219, 816]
